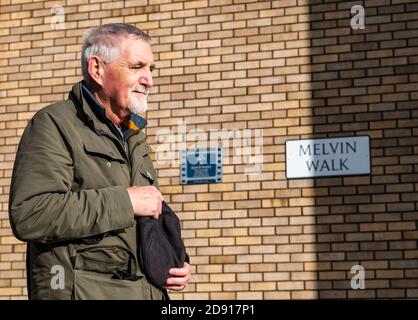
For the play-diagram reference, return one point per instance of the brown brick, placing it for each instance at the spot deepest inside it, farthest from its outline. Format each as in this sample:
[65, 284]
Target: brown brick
[276, 66]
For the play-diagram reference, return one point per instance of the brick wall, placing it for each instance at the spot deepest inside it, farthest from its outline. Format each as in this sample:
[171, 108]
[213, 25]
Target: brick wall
[294, 68]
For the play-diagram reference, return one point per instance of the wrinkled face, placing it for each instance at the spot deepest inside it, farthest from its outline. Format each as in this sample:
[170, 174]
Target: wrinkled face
[127, 80]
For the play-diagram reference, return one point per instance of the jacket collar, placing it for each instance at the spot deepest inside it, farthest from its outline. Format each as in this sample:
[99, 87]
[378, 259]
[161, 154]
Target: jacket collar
[96, 117]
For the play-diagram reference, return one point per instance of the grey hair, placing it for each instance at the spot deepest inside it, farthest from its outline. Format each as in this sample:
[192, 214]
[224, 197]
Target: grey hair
[105, 41]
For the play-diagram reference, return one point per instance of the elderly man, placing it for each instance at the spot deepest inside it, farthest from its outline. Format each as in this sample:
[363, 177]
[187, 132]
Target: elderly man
[82, 175]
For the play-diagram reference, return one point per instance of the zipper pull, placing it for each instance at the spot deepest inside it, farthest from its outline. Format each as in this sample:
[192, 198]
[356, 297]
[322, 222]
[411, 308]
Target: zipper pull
[149, 175]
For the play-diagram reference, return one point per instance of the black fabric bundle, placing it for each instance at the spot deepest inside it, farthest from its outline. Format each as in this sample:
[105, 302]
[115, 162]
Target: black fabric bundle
[160, 245]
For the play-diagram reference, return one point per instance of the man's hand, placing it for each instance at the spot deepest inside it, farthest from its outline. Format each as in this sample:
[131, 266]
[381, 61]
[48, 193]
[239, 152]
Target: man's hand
[180, 279]
[146, 201]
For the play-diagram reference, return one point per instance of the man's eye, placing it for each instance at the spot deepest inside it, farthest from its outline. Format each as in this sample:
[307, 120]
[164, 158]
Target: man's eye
[136, 67]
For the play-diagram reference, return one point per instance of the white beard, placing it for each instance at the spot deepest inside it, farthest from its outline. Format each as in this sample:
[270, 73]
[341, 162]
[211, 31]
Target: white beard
[137, 105]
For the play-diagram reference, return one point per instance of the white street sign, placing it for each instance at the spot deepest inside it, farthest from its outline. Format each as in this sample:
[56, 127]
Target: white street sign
[328, 157]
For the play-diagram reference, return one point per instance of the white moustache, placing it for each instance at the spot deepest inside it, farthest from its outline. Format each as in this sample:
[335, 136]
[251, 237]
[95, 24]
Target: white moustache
[142, 89]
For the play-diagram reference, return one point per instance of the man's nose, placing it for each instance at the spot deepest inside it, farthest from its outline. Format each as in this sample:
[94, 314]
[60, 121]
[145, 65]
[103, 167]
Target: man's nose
[146, 78]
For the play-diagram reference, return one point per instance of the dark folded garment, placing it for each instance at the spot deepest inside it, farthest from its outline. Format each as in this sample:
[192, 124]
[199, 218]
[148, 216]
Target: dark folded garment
[160, 245]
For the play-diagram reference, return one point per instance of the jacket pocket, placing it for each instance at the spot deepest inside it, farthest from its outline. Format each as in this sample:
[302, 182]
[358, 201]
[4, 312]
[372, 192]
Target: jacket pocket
[90, 285]
[104, 259]
[148, 172]
[99, 165]
[100, 149]
[143, 172]
[97, 273]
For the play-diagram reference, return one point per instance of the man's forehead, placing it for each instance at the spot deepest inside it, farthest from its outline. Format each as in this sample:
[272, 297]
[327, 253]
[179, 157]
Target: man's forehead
[136, 50]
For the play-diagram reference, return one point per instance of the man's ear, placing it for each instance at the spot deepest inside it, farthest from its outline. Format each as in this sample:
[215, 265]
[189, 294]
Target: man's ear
[95, 69]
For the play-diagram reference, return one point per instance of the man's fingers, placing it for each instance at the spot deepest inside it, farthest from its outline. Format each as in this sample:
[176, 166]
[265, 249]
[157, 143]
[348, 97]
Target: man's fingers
[146, 200]
[174, 288]
[181, 277]
[159, 199]
[160, 206]
[181, 272]
[181, 281]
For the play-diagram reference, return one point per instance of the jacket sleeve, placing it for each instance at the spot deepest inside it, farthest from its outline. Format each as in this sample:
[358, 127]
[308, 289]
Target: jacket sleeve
[42, 207]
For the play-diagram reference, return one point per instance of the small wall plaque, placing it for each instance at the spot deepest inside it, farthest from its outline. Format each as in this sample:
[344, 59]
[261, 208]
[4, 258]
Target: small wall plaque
[201, 165]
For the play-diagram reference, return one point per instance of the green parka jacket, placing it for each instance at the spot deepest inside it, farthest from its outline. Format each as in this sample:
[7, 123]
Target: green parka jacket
[68, 200]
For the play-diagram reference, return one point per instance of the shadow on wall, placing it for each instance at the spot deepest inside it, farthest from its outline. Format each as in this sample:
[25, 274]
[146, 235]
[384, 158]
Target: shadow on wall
[317, 77]
[363, 80]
